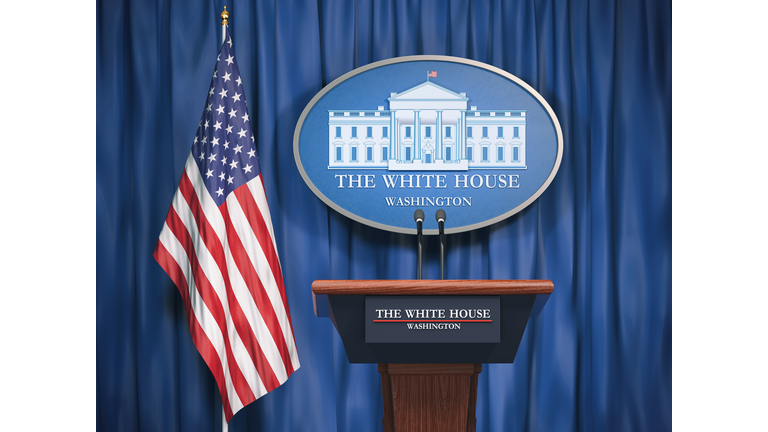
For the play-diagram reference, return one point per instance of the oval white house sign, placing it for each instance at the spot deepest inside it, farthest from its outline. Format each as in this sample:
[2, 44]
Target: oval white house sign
[428, 132]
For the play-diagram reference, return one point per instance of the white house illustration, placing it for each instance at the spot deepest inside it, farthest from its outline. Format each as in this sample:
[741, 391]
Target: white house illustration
[427, 128]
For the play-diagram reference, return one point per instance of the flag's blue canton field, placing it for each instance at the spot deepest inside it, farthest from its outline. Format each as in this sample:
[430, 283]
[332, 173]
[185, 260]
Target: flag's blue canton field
[224, 146]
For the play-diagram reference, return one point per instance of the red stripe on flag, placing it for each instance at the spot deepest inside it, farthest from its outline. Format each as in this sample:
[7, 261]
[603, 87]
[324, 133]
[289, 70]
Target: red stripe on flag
[258, 293]
[259, 227]
[199, 338]
[213, 244]
[212, 300]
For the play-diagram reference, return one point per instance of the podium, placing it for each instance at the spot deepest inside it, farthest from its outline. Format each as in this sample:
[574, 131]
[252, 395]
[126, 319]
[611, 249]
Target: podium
[430, 339]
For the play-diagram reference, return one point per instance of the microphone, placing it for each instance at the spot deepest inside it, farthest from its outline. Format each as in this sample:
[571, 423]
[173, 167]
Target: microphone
[418, 216]
[440, 217]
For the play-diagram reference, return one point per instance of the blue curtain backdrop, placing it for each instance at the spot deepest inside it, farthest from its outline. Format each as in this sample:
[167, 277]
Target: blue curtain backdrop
[598, 358]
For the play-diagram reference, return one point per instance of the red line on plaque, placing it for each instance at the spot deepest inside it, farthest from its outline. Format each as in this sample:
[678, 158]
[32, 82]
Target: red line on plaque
[413, 321]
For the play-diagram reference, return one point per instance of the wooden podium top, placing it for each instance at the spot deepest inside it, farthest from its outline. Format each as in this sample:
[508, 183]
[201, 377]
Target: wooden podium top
[432, 287]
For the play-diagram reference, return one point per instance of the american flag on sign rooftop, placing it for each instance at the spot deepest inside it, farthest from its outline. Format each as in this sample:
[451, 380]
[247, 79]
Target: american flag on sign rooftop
[218, 246]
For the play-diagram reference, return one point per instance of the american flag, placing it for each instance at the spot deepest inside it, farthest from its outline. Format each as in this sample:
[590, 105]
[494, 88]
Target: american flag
[218, 246]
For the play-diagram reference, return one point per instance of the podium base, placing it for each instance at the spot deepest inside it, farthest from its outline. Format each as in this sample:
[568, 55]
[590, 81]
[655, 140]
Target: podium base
[429, 397]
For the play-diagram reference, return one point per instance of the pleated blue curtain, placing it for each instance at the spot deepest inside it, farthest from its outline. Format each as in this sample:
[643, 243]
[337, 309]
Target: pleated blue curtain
[598, 358]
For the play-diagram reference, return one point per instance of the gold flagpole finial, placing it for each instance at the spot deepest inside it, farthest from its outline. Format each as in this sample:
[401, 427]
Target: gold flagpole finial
[225, 17]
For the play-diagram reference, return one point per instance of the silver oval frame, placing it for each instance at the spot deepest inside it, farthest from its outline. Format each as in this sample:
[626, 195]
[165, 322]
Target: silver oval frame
[494, 69]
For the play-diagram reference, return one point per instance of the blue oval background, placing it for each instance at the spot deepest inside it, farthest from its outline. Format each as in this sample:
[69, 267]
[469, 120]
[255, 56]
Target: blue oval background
[370, 86]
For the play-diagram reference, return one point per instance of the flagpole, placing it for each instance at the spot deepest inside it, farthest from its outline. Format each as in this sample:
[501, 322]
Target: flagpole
[224, 23]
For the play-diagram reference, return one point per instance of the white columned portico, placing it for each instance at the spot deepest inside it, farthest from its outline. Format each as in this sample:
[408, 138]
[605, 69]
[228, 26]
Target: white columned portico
[427, 96]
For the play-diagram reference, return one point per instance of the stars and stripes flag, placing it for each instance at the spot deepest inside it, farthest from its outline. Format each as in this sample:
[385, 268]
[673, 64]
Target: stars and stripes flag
[218, 247]
[432, 74]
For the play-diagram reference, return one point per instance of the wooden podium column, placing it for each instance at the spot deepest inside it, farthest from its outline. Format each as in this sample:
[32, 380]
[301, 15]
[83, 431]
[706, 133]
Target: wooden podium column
[429, 397]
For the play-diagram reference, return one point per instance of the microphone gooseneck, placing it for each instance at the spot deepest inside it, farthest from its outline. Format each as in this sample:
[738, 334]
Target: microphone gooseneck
[440, 217]
[418, 216]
